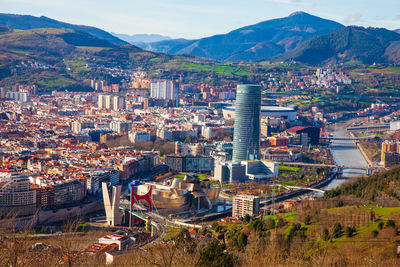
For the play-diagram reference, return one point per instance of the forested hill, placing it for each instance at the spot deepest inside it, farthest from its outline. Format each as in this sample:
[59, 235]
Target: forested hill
[384, 185]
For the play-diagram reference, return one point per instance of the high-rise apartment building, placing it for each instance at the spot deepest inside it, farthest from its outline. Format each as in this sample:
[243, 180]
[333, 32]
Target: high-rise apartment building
[19, 96]
[245, 204]
[111, 102]
[78, 126]
[118, 102]
[121, 126]
[2, 92]
[246, 136]
[164, 89]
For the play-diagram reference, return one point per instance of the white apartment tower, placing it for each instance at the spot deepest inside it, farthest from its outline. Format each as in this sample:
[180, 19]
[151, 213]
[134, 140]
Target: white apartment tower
[164, 89]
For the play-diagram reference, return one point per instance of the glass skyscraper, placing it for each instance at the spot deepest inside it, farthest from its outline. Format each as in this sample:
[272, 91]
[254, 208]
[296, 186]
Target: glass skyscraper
[246, 135]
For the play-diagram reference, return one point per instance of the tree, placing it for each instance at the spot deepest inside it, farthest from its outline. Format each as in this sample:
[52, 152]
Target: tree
[325, 234]
[337, 230]
[269, 224]
[390, 223]
[246, 218]
[213, 255]
[242, 241]
[190, 139]
[307, 219]
[184, 241]
[349, 231]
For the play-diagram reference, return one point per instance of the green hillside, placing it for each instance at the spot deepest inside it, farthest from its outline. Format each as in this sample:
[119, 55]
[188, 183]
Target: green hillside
[385, 185]
[26, 22]
[349, 44]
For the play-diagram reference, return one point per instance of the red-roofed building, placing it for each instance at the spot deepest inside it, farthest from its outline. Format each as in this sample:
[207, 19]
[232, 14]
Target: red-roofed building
[304, 135]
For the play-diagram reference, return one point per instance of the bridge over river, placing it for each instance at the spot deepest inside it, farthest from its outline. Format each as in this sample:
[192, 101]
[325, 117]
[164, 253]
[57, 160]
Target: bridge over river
[340, 168]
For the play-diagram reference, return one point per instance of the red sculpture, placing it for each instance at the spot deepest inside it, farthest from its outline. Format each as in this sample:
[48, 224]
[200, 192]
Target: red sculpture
[135, 197]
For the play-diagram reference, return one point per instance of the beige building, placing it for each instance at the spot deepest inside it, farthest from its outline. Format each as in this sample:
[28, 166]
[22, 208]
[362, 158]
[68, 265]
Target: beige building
[16, 196]
[245, 204]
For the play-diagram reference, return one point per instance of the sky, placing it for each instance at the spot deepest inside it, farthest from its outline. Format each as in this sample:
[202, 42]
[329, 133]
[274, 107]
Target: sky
[195, 19]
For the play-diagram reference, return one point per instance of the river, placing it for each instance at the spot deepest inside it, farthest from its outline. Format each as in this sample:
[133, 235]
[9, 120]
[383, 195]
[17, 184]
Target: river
[345, 154]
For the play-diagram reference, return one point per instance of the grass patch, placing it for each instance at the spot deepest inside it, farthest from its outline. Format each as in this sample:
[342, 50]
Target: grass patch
[21, 52]
[202, 176]
[156, 59]
[288, 168]
[384, 211]
[218, 69]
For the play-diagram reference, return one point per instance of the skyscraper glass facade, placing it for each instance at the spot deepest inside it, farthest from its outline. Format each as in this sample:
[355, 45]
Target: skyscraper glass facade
[246, 136]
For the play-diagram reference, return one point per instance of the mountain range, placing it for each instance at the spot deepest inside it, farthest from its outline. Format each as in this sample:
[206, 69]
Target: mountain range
[26, 22]
[141, 38]
[254, 42]
[299, 37]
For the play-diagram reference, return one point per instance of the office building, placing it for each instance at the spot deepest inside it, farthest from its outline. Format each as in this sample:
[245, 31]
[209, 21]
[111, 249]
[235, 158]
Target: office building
[189, 163]
[246, 135]
[230, 172]
[245, 204]
[303, 135]
[164, 89]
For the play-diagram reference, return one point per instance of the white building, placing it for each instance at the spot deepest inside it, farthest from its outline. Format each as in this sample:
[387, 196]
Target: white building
[78, 126]
[113, 102]
[164, 89]
[245, 204]
[19, 96]
[118, 102]
[104, 101]
[121, 126]
[135, 137]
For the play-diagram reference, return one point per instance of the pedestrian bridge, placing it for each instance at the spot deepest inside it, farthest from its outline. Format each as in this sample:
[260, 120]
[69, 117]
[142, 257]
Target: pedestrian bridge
[303, 188]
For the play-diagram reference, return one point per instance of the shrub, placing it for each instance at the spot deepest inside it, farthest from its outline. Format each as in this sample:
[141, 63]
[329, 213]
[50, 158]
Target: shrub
[307, 219]
[390, 223]
[337, 230]
[325, 234]
[350, 231]
[374, 233]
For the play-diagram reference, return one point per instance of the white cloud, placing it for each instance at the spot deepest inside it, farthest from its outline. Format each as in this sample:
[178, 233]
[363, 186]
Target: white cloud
[353, 18]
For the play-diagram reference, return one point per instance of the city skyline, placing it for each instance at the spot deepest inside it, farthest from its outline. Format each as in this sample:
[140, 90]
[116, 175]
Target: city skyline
[179, 19]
